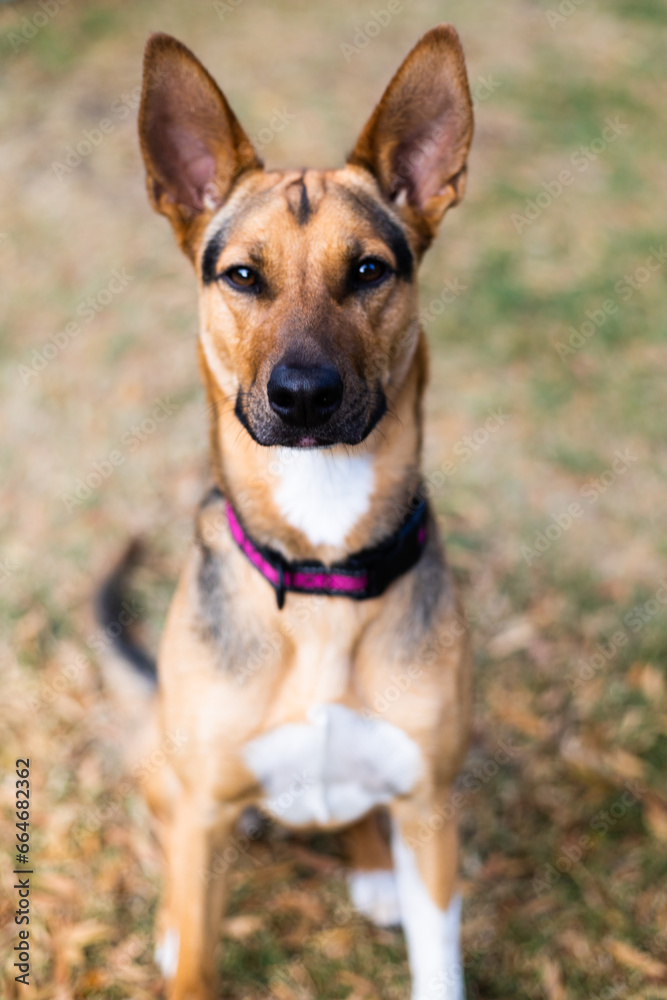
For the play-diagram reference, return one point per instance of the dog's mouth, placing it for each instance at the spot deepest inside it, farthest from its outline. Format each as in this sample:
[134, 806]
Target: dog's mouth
[350, 424]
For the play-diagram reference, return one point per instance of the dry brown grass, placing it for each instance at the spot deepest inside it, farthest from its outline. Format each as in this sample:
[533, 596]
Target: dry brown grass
[538, 922]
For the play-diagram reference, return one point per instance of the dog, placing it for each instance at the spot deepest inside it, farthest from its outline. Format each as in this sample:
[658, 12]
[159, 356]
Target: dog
[315, 659]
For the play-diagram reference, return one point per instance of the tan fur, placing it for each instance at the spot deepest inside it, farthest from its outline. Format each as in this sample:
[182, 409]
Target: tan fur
[367, 846]
[220, 694]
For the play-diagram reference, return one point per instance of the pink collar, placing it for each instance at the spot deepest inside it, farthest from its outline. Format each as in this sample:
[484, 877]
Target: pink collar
[363, 575]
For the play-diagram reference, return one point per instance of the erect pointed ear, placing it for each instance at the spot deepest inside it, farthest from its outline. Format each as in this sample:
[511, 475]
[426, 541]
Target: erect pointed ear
[192, 144]
[416, 141]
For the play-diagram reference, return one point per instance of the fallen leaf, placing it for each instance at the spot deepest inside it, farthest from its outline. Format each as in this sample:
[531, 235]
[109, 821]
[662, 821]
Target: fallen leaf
[283, 991]
[522, 719]
[652, 683]
[88, 932]
[516, 635]
[552, 979]
[616, 766]
[577, 945]
[69, 941]
[625, 764]
[499, 866]
[242, 927]
[303, 902]
[633, 958]
[655, 817]
[336, 942]
[59, 885]
[94, 979]
[361, 987]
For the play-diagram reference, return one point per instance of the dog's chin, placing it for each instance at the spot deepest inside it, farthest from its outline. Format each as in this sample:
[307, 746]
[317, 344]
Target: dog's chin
[270, 432]
[287, 437]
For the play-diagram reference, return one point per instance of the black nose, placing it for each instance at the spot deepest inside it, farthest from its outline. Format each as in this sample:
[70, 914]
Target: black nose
[304, 396]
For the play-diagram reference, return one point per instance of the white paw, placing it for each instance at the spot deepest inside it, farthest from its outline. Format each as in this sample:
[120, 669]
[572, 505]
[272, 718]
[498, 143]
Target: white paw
[375, 895]
[166, 953]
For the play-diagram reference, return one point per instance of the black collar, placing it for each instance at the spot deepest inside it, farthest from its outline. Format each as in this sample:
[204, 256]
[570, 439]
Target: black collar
[365, 574]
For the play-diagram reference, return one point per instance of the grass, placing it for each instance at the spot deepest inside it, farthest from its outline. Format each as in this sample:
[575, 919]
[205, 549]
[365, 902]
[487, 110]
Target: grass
[544, 917]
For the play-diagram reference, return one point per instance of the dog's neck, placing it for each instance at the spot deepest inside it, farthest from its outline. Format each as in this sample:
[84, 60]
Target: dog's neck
[322, 503]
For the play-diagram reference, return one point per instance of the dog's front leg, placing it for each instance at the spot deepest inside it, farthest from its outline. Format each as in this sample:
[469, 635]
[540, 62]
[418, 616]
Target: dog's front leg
[425, 852]
[195, 894]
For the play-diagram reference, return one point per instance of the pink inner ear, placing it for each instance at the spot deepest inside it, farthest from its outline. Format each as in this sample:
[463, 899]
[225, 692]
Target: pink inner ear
[188, 164]
[199, 171]
[426, 161]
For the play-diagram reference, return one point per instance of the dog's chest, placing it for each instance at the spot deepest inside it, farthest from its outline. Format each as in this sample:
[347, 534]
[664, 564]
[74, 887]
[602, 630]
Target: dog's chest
[323, 494]
[333, 768]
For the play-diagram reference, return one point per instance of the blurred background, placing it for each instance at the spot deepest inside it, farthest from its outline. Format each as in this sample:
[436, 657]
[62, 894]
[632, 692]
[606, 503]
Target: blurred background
[544, 302]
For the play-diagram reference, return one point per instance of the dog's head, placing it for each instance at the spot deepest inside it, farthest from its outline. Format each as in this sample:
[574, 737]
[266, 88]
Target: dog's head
[307, 278]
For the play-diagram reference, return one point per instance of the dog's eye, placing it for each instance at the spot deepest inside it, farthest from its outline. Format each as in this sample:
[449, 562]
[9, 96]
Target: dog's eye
[242, 277]
[369, 271]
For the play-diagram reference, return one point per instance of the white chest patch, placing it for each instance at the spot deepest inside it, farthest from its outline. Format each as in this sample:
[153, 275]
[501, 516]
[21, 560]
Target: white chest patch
[323, 494]
[333, 768]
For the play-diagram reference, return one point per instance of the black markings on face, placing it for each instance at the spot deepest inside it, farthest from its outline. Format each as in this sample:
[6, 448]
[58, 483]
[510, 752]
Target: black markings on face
[297, 201]
[211, 255]
[387, 229]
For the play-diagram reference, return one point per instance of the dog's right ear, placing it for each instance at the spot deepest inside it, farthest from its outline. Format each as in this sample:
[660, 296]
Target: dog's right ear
[192, 144]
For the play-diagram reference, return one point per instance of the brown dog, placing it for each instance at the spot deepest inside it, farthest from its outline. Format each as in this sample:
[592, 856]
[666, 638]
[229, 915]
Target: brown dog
[314, 657]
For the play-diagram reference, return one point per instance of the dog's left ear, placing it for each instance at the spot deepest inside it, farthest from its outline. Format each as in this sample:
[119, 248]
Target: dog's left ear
[416, 141]
[193, 146]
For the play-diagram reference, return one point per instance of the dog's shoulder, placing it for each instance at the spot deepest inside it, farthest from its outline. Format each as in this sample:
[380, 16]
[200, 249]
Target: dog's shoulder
[421, 619]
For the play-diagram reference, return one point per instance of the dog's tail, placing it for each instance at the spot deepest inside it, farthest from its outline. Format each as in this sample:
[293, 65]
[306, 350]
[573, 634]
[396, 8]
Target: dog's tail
[117, 620]
[128, 669]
